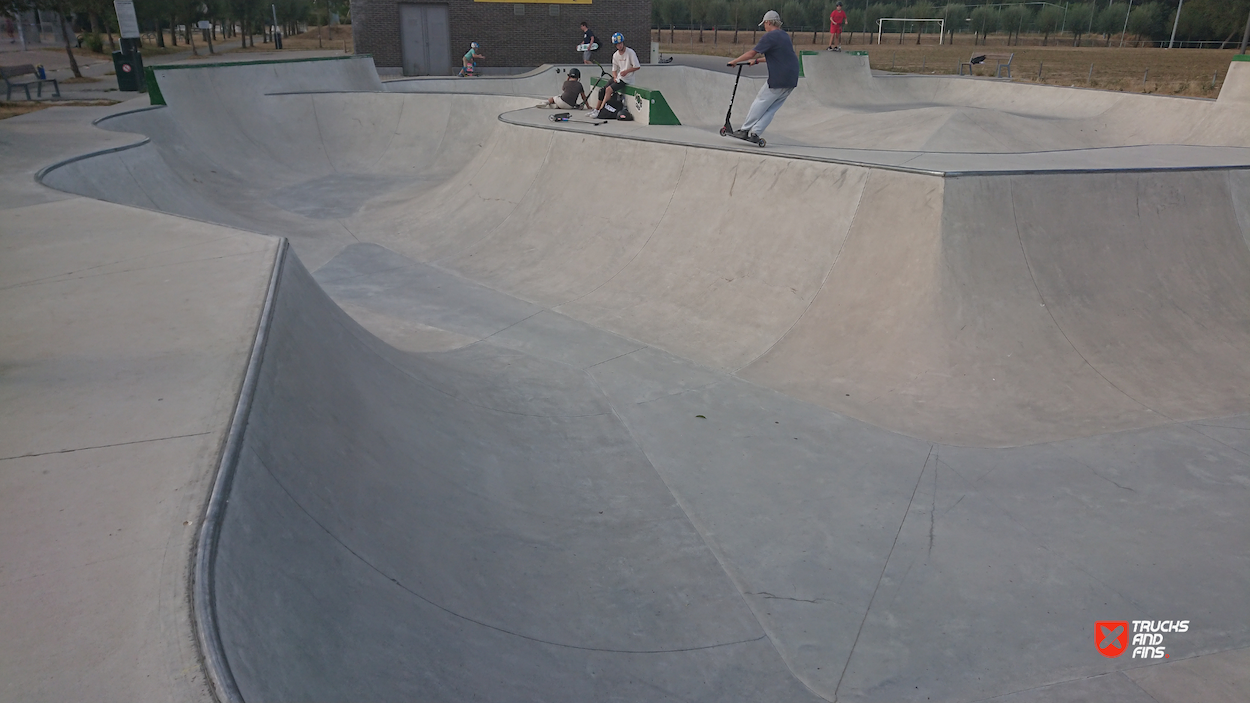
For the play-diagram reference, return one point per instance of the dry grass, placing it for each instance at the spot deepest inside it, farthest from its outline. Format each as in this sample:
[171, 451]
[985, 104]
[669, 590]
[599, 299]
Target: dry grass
[1171, 72]
[337, 37]
[84, 79]
[149, 48]
[21, 107]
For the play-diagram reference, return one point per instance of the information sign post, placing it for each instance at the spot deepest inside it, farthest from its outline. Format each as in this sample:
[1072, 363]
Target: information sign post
[128, 63]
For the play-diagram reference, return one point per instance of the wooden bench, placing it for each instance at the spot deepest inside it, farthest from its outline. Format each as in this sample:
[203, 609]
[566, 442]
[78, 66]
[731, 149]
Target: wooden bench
[1004, 62]
[8, 73]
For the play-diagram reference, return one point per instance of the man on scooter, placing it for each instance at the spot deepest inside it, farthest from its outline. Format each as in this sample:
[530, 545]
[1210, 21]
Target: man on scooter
[624, 65]
[777, 50]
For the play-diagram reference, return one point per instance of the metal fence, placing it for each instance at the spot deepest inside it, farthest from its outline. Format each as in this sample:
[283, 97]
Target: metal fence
[714, 30]
[36, 27]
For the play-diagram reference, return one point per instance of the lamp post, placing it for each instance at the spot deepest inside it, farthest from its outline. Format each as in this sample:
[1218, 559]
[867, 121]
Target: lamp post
[1245, 38]
[1176, 24]
[1126, 15]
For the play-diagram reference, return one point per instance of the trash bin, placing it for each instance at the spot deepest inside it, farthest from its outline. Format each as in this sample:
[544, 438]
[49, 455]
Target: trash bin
[129, 69]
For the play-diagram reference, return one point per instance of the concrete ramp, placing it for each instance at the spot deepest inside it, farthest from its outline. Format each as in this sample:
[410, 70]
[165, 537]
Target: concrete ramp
[1236, 88]
[487, 517]
[1013, 288]
[869, 292]
[634, 412]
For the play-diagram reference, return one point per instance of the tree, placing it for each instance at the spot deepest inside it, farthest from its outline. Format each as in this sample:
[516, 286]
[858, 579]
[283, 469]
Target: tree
[984, 21]
[1014, 18]
[717, 13]
[1080, 17]
[904, 27]
[63, 10]
[854, 18]
[246, 11]
[1146, 21]
[667, 12]
[922, 10]
[1111, 20]
[698, 10]
[1049, 20]
[152, 11]
[817, 17]
[792, 15]
[738, 15]
[1212, 20]
[102, 15]
[876, 12]
[956, 16]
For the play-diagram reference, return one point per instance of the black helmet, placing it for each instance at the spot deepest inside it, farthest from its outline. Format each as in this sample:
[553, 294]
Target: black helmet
[575, 73]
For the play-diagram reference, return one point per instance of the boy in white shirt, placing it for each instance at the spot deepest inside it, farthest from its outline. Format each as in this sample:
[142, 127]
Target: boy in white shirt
[624, 65]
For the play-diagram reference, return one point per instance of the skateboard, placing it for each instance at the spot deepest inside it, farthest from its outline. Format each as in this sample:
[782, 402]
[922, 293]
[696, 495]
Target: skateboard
[588, 47]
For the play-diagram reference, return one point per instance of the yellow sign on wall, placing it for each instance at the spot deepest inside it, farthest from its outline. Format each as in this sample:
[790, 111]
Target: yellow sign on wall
[539, 2]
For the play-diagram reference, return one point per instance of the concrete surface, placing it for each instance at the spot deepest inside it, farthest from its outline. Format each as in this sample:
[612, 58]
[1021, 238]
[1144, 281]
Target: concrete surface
[98, 68]
[576, 412]
[125, 334]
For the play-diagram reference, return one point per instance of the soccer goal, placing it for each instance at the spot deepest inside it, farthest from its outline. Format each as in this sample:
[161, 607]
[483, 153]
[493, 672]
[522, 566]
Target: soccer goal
[941, 25]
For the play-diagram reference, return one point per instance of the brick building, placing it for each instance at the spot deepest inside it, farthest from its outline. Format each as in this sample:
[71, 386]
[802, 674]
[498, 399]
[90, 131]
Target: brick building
[428, 37]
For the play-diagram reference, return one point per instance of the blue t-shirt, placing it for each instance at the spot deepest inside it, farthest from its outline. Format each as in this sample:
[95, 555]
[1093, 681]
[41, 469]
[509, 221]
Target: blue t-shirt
[783, 64]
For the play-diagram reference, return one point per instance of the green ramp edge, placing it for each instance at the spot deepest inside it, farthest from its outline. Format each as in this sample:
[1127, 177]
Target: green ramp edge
[661, 112]
[801, 55]
[154, 88]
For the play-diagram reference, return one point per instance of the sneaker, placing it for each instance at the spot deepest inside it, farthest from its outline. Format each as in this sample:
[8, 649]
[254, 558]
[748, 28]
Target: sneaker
[740, 133]
[830, 48]
[753, 138]
[543, 105]
[594, 114]
[837, 48]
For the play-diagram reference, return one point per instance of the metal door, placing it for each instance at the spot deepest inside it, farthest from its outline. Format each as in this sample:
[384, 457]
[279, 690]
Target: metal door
[425, 39]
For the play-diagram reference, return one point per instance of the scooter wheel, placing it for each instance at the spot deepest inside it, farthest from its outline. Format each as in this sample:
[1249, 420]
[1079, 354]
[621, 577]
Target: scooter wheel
[762, 144]
[724, 131]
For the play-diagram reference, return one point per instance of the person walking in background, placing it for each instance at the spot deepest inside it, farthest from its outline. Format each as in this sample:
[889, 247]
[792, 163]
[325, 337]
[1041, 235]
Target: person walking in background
[776, 49]
[588, 40]
[837, 18]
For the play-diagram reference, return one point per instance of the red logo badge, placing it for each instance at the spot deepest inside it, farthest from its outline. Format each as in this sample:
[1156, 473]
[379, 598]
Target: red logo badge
[1111, 637]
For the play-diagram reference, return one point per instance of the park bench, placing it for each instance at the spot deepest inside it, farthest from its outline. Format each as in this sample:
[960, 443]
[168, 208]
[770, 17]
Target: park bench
[8, 73]
[1004, 62]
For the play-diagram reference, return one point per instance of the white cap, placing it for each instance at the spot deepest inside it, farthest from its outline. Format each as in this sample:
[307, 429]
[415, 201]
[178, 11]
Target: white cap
[771, 16]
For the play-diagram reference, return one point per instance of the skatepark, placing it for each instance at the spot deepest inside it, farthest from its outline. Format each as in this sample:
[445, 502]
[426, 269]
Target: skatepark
[366, 390]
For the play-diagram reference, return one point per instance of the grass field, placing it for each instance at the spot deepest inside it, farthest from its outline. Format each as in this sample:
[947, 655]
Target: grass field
[1171, 72]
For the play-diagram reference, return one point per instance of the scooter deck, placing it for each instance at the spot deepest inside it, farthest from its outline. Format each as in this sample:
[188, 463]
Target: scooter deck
[738, 134]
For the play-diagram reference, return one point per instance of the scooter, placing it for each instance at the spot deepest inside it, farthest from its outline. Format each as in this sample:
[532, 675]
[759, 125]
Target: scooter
[728, 130]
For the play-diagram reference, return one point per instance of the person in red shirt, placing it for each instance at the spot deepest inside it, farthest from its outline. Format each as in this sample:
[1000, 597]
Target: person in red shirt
[837, 18]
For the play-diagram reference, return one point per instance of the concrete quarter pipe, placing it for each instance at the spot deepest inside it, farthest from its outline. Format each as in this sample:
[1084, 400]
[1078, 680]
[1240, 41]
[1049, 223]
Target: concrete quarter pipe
[894, 411]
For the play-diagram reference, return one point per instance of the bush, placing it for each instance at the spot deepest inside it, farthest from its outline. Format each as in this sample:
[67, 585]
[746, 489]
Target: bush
[94, 43]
